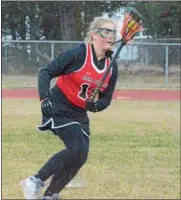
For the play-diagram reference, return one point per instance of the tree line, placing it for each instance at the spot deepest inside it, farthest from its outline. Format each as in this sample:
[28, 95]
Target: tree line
[61, 20]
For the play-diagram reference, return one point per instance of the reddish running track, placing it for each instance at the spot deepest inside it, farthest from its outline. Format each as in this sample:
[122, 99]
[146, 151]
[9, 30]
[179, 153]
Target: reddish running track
[160, 95]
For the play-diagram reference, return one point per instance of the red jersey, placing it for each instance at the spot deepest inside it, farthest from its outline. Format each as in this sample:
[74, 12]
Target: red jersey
[78, 86]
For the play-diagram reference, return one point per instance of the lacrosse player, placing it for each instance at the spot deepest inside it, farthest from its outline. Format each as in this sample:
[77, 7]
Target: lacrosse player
[64, 107]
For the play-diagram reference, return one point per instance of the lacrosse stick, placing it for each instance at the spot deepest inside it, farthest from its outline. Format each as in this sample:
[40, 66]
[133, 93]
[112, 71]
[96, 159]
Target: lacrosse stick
[132, 24]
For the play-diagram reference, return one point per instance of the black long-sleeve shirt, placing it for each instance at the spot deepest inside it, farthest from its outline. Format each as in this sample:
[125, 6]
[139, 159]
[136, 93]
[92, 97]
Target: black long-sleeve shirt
[70, 61]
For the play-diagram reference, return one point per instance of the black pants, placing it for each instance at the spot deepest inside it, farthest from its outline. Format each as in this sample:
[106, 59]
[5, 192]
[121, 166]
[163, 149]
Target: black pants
[65, 164]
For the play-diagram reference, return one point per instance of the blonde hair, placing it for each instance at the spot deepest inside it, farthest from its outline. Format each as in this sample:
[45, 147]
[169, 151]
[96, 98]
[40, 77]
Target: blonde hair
[95, 24]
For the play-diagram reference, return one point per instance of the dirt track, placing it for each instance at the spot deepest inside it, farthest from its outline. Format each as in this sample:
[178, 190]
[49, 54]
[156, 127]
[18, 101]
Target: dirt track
[118, 94]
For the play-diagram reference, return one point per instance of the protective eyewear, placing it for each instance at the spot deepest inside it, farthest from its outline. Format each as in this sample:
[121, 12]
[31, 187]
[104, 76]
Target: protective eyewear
[105, 32]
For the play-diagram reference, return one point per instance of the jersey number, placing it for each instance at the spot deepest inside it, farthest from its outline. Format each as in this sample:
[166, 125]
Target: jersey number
[83, 91]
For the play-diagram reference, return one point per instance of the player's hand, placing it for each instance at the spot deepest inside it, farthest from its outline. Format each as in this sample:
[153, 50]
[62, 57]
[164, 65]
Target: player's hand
[91, 106]
[46, 107]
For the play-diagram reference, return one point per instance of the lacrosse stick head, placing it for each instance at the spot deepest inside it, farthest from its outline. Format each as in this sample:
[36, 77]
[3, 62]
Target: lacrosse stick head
[132, 24]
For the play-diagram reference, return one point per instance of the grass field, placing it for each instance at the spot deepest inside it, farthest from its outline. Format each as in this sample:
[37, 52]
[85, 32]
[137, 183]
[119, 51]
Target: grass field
[134, 154]
[125, 81]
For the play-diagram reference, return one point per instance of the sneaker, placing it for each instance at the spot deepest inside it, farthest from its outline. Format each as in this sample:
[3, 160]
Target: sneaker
[31, 187]
[74, 184]
[53, 197]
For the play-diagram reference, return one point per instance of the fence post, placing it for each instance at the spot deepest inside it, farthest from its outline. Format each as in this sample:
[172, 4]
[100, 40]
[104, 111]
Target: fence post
[147, 58]
[52, 51]
[5, 56]
[166, 65]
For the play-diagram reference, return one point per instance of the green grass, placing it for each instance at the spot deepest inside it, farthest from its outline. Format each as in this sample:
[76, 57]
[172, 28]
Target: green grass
[134, 153]
[138, 81]
[19, 81]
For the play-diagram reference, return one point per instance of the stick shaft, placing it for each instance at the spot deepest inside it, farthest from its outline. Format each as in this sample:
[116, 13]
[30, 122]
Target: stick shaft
[96, 91]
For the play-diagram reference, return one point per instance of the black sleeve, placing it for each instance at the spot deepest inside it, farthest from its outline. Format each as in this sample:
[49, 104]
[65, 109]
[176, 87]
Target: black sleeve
[65, 63]
[105, 97]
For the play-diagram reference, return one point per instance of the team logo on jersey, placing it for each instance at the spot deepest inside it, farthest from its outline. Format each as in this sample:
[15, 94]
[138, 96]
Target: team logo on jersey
[94, 81]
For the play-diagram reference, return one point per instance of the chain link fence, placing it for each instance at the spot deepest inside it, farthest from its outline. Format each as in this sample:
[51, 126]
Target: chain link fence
[141, 65]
